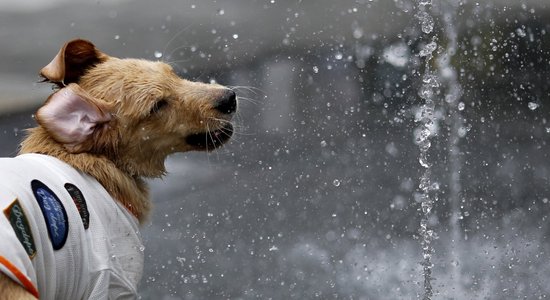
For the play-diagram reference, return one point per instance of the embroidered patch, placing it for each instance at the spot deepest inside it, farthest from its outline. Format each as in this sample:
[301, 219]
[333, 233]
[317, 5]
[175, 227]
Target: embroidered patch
[18, 220]
[54, 213]
[80, 203]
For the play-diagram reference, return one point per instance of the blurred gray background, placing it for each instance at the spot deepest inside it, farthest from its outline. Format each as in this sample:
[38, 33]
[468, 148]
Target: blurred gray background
[317, 196]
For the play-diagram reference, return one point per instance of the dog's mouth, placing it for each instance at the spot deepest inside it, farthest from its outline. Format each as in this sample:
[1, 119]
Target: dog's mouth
[210, 140]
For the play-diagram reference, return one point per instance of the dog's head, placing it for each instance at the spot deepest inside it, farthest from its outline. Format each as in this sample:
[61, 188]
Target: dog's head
[135, 112]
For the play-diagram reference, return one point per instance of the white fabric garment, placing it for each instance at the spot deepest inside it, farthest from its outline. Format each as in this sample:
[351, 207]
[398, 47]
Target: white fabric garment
[104, 261]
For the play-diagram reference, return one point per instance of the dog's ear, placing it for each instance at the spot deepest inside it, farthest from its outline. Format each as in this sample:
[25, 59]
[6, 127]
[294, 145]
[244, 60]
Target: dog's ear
[74, 118]
[70, 63]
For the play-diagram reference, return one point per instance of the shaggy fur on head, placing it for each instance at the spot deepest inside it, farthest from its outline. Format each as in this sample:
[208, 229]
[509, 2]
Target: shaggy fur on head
[146, 112]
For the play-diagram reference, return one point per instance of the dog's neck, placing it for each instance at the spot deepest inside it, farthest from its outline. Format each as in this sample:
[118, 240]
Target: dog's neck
[129, 190]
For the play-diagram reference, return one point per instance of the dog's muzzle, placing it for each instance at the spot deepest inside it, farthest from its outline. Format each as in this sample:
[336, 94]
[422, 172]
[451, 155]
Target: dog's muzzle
[227, 103]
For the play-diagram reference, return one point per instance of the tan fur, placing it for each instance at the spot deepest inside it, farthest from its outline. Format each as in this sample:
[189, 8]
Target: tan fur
[135, 143]
[10, 290]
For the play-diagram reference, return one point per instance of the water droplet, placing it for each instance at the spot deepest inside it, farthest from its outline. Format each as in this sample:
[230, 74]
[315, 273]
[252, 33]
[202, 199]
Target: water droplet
[221, 12]
[428, 49]
[117, 37]
[235, 36]
[358, 32]
[533, 105]
[426, 21]
[336, 182]
[157, 54]
[426, 208]
[338, 56]
[462, 131]
[430, 80]
[423, 162]
[425, 92]
[397, 54]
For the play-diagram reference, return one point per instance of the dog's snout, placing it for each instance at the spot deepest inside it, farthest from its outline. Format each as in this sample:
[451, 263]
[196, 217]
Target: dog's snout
[227, 103]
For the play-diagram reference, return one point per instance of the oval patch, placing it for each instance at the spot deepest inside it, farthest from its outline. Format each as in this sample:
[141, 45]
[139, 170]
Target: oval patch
[54, 213]
[80, 202]
[18, 220]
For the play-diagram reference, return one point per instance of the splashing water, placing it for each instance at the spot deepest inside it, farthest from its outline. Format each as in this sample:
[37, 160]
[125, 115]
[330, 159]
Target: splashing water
[432, 82]
[427, 92]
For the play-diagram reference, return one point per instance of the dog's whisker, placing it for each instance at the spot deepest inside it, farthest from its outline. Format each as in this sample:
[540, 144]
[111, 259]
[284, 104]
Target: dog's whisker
[238, 130]
[224, 131]
[214, 139]
[239, 118]
[251, 89]
[198, 78]
[236, 125]
[245, 96]
[250, 100]
[174, 37]
[174, 63]
[224, 121]
[176, 49]
[206, 137]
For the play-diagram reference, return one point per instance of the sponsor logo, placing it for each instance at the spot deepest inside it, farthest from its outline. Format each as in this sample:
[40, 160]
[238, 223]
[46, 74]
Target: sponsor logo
[54, 213]
[18, 220]
[80, 202]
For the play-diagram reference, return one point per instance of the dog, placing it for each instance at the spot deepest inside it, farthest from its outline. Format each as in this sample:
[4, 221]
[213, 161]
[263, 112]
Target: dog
[72, 200]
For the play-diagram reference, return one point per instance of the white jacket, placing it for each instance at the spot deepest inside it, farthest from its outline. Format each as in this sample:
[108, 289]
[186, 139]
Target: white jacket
[62, 236]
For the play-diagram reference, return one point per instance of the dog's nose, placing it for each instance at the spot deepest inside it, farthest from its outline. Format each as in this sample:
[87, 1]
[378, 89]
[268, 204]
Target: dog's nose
[227, 103]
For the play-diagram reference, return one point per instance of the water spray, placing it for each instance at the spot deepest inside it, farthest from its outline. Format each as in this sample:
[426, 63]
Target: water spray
[426, 118]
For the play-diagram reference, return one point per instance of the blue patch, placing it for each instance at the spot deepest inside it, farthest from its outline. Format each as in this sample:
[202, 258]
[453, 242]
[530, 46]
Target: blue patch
[54, 213]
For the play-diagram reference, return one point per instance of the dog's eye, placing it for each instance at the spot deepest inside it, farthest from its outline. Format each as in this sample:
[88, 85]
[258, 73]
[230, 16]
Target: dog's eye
[158, 106]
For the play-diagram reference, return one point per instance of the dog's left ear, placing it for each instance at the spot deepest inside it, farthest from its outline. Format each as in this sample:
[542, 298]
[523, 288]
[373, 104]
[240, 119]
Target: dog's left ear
[72, 61]
[74, 118]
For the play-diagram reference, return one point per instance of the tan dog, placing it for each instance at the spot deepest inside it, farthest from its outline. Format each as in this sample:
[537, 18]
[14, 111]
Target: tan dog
[112, 122]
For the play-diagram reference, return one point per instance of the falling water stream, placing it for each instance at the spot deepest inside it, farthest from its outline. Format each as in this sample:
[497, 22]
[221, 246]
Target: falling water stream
[426, 118]
[435, 82]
